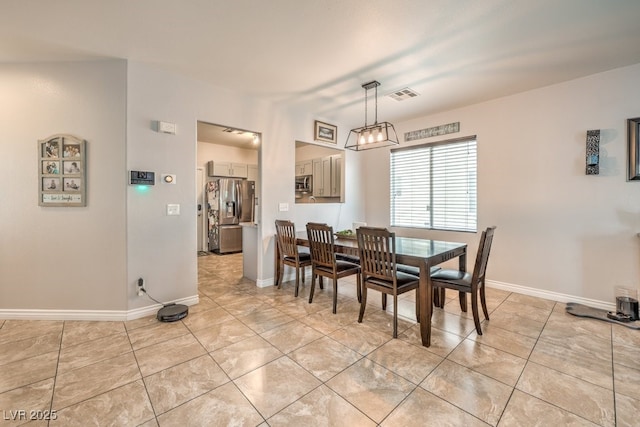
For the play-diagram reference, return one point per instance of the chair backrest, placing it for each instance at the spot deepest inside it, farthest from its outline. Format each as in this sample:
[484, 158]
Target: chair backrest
[482, 257]
[377, 248]
[321, 244]
[286, 235]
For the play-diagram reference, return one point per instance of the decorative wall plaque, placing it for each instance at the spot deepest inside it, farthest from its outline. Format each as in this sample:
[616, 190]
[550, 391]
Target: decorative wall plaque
[433, 131]
[593, 152]
[62, 171]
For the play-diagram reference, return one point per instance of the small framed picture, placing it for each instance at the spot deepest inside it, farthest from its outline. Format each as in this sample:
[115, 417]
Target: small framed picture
[72, 166]
[62, 171]
[72, 184]
[325, 132]
[71, 150]
[51, 184]
[51, 149]
[50, 167]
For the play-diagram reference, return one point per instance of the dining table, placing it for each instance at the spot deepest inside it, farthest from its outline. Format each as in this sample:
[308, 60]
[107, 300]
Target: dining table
[418, 252]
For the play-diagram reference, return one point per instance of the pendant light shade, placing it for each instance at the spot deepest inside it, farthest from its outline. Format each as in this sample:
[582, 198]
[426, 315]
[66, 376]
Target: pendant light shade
[376, 135]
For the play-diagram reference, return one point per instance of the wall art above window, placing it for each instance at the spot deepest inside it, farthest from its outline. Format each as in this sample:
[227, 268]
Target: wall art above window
[62, 171]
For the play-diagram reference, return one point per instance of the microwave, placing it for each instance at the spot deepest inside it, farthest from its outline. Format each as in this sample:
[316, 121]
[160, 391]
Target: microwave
[304, 184]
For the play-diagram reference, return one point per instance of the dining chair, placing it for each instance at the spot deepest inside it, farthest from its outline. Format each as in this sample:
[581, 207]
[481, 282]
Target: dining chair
[290, 254]
[379, 270]
[466, 283]
[324, 262]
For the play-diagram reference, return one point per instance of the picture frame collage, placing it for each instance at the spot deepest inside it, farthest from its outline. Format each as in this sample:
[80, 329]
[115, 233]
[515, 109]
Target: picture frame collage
[62, 171]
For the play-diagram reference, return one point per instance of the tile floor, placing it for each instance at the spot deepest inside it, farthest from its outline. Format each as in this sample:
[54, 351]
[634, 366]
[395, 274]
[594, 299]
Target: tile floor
[260, 357]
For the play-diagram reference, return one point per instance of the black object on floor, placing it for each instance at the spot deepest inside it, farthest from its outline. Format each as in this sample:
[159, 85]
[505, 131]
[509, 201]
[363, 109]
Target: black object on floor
[172, 312]
[596, 313]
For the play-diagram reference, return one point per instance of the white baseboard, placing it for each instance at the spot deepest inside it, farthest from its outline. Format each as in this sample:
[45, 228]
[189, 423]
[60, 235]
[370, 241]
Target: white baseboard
[263, 283]
[92, 315]
[122, 315]
[554, 296]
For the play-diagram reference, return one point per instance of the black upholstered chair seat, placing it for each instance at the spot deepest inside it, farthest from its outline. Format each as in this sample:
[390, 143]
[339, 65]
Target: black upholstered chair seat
[341, 266]
[402, 279]
[455, 277]
[411, 269]
[302, 256]
[350, 258]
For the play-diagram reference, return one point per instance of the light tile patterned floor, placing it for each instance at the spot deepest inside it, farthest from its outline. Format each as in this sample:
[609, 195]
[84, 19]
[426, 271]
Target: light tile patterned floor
[261, 357]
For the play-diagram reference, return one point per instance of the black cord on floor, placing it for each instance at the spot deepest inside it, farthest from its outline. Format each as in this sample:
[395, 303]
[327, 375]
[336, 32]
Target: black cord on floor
[152, 298]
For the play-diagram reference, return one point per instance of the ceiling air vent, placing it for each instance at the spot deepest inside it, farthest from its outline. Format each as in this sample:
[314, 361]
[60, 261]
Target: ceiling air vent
[402, 94]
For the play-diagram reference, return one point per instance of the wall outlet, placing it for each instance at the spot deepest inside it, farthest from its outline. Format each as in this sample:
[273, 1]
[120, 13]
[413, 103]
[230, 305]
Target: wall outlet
[141, 290]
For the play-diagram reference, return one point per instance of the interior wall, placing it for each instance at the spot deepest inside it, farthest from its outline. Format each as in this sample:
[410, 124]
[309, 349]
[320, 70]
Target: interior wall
[162, 249]
[224, 153]
[312, 151]
[63, 258]
[558, 230]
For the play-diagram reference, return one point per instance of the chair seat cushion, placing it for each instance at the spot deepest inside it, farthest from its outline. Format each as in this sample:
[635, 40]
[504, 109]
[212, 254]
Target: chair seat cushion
[351, 258]
[411, 269]
[403, 280]
[302, 256]
[340, 267]
[456, 277]
[345, 265]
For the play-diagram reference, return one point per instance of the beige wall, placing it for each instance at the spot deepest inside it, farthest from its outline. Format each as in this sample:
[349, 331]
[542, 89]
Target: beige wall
[560, 233]
[63, 258]
[211, 151]
[83, 263]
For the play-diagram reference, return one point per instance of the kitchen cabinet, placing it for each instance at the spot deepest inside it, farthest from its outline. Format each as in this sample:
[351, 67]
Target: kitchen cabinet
[336, 175]
[327, 176]
[304, 168]
[252, 173]
[227, 169]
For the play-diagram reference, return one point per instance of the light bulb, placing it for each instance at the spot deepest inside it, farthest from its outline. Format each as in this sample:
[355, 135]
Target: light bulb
[362, 140]
[370, 137]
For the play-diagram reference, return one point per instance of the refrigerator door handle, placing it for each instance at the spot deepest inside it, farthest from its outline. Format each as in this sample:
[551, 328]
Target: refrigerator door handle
[239, 193]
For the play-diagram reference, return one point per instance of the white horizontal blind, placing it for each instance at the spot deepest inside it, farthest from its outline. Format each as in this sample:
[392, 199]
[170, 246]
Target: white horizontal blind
[435, 186]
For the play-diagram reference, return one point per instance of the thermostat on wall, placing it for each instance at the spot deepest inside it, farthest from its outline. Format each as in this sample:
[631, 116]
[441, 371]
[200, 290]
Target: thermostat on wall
[142, 178]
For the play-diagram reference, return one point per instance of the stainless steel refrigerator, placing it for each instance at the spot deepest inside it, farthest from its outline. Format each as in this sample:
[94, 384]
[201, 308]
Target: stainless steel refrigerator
[229, 202]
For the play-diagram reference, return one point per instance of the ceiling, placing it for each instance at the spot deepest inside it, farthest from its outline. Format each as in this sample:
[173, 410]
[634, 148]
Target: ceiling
[222, 135]
[315, 55]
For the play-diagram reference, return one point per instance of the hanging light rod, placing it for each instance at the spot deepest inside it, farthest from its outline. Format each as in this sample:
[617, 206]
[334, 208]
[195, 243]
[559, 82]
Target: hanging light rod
[376, 135]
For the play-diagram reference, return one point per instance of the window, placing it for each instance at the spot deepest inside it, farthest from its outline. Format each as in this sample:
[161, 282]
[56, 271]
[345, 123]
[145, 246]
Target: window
[435, 185]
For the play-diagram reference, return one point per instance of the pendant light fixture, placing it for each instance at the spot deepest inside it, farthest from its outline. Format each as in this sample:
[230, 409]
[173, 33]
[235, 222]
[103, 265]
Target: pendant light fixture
[371, 136]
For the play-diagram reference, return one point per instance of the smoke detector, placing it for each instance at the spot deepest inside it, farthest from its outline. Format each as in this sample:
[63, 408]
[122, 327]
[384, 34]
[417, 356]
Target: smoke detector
[402, 94]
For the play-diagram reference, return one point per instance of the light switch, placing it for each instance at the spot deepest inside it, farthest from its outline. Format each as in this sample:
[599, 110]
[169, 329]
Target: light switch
[283, 207]
[173, 209]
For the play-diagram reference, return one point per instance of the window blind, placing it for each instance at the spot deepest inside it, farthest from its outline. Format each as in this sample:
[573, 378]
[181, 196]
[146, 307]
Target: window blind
[435, 186]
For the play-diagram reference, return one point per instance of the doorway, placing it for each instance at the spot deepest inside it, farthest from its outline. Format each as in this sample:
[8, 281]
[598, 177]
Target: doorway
[224, 152]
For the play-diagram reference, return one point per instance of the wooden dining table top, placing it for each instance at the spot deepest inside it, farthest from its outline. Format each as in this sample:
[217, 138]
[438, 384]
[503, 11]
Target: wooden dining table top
[407, 248]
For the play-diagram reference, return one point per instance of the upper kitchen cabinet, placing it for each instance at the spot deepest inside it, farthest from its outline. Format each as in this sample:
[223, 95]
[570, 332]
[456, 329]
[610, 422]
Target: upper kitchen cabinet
[227, 169]
[323, 169]
[304, 167]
